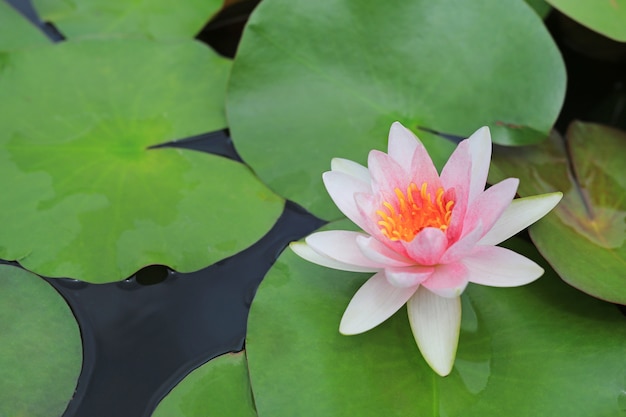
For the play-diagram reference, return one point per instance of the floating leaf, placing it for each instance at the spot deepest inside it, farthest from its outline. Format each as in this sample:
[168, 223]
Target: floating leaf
[521, 352]
[40, 347]
[218, 388]
[584, 236]
[85, 196]
[154, 19]
[605, 17]
[541, 7]
[16, 32]
[314, 80]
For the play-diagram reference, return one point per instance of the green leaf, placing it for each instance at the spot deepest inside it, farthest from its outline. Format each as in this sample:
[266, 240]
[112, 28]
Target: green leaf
[85, 196]
[218, 388]
[584, 237]
[40, 347]
[16, 32]
[541, 349]
[541, 7]
[605, 17]
[153, 19]
[314, 80]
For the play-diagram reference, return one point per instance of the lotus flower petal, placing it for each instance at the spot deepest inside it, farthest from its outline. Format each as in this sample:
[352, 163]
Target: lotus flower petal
[490, 205]
[305, 252]
[448, 280]
[402, 144]
[386, 174]
[408, 277]
[341, 245]
[480, 151]
[351, 168]
[519, 215]
[378, 252]
[342, 187]
[436, 323]
[427, 246]
[500, 267]
[372, 304]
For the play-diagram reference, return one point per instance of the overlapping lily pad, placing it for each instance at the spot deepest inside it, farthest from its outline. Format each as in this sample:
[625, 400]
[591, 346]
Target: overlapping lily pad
[314, 80]
[218, 388]
[520, 352]
[85, 196]
[605, 17]
[40, 348]
[153, 19]
[584, 238]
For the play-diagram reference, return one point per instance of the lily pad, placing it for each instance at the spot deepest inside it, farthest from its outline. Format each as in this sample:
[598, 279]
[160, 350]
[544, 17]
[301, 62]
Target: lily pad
[85, 194]
[314, 80]
[40, 347]
[605, 17]
[584, 237]
[541, 7]
[153, 19]
[218, 388]
[520, 352]
[16, 32]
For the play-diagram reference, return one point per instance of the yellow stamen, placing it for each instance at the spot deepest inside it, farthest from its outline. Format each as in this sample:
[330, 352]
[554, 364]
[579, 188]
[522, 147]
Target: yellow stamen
[414, 211]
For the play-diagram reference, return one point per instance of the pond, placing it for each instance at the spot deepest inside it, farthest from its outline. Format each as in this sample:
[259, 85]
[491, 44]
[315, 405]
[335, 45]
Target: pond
[155, 182]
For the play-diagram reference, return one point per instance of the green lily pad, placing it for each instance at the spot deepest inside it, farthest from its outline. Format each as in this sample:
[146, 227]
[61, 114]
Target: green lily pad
[153, 19]
[314, 80]
[541, 7]
[16, 32]
[584, 237]
[40, 347]
[218, 388]
[541, 349]
[85, 196]
[605, 17]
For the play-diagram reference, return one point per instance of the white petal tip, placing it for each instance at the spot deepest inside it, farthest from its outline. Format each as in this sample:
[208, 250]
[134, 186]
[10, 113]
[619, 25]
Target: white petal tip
[352, 325]
[482, 133]
[298, 247]
[443, 370]
[337, 163]
[347, 330]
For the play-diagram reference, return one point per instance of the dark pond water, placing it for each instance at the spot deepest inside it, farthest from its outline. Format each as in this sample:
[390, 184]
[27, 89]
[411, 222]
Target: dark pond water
[142, 335]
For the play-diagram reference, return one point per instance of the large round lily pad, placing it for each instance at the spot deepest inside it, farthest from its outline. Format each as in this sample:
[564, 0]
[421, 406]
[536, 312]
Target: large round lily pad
[40, 347]
[153, 19]
[218, 388]
[313, 80]
[584, 238]
[85, 196]
[544, 349]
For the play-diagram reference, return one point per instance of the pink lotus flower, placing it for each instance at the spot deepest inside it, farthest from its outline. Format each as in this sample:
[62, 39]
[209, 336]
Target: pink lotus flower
[426, 236]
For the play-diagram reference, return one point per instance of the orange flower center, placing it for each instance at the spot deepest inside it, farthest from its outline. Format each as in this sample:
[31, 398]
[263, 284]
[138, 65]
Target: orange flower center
[414, 211]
